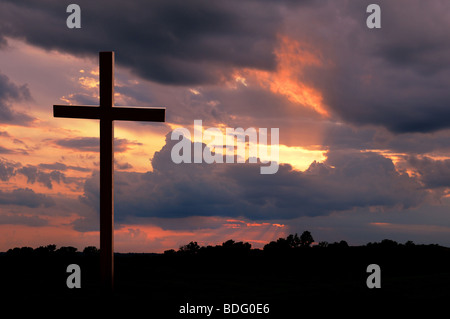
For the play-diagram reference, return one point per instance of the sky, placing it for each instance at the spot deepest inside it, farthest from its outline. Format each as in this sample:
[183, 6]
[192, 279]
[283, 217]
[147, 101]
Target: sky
[364, 135]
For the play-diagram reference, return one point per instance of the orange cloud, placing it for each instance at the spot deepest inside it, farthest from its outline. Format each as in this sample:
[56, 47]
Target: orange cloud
[292, 57]
[236, 223]
[88, 82]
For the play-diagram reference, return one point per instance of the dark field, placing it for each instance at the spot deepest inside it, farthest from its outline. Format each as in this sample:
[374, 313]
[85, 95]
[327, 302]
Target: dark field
[289, 280]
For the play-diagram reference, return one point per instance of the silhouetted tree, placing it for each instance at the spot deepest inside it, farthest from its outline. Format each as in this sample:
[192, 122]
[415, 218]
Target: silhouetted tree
[279, 245]
[293, 241]
[410, 243]
[67, 250]
[170, 252]
[91, 251]
[272, 246]
[228, 244]
[341, 244]
[306, 239]
[23, 251]
[232, 247]
[323, 244]
[191, 249]
[231, 244]
[45, 251]
[388, 243]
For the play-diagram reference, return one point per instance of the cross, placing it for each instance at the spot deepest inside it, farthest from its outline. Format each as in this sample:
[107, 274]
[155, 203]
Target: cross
[107, 114]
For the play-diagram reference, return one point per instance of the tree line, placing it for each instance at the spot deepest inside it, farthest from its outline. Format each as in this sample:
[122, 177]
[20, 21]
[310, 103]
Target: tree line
[291, 242]
[48, 250]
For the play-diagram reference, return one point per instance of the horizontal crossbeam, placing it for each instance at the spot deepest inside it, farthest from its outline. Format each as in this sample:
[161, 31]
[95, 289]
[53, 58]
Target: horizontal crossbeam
[148, 114]
[76, 112]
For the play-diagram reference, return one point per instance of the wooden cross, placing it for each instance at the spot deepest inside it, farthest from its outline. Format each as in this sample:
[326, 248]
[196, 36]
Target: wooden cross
[107, 113]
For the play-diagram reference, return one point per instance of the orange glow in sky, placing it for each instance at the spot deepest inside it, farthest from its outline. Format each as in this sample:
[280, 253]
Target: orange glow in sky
[292, 57]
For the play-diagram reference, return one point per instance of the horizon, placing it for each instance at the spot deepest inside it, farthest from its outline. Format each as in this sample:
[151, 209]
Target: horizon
[313, 244]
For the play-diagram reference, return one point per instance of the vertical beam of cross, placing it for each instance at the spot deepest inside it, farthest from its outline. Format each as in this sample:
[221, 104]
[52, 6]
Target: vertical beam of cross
[107, 114]
[107, 168]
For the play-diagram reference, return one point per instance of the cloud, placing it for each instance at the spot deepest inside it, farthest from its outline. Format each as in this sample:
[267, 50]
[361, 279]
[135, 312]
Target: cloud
[62, 167]
[396, 77]
[7, 169]
[346, 180]
[420, 143]
[81, 99]
[54, 166]
[19, 219]
[172, 42]
[10, 93]
[433, 173]
[92, 144]
[122, 166]
[3, 42]
[25, 197]
[33, 175]
[44, 174]
[4, 150]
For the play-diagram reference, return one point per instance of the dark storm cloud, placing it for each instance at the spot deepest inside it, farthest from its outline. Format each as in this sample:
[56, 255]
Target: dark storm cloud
[10, 93]
[92, 144]
[397, 76]
[176, 42]
[420, 143]
[433, 173]
[345, 181]
[419, 41]
[337, 136]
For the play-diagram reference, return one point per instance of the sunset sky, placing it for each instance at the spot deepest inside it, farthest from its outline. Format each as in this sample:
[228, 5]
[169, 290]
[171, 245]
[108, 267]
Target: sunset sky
[363, 116]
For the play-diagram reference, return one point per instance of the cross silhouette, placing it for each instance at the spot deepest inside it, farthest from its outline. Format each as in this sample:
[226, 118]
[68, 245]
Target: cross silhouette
[107, 113]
